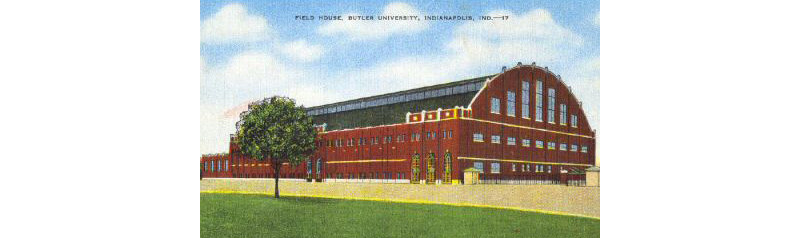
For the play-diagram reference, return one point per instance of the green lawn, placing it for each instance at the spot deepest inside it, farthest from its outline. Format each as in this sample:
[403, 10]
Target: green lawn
[239, 215]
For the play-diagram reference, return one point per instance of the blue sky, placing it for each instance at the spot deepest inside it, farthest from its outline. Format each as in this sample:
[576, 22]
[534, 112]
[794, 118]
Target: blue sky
[251, 50]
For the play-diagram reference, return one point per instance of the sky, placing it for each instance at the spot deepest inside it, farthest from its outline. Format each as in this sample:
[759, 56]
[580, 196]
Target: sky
[250, 50]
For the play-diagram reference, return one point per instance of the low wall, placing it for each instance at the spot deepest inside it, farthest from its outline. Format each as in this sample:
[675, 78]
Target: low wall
[557, 199]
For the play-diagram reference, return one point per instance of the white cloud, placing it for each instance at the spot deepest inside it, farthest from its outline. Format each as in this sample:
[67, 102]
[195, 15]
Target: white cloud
[596, 19]
[249, 76]
[232, 24]
[532, 35]
[301, 50]
[356, 30]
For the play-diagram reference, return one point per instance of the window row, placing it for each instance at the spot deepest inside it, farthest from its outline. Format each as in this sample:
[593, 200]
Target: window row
[527, 168]
[445, 134]
[511, 103]
[391, 99]
[495, 168]
[478, 137]
[371, 175]
[217, 168]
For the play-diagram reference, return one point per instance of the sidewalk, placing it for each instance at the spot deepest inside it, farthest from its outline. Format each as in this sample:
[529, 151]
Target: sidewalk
[555, 199]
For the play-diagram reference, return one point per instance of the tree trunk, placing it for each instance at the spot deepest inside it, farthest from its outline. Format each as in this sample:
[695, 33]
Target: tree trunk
[277, 175]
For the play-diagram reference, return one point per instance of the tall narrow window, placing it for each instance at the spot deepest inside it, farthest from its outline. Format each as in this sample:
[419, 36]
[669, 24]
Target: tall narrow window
[539, 102]
[574, 121]
[511, 102]
[226, 166]
[526, 90]
[496, 105]
[563, 119]
[551, 105]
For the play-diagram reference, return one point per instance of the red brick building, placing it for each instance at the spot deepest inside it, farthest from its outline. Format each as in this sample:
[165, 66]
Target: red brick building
[521, 125]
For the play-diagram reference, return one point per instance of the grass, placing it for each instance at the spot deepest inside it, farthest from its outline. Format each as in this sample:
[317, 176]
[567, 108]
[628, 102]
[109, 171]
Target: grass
[244, 215]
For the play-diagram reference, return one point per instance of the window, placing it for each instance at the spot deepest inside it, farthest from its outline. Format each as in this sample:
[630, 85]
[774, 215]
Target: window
[564, 147]
[212, 166]
[511, 141]
[477, 137]
[526, 143]
[511, 102]
[551, 145]
[549, 168]
[539, 144]
[205, 166]
[526, 90]
[539, 100]
[574, 148]
[574, 121]
[563, 118]
[478, 166]
[495, 105]
[551, 105]
[226, 166]
[513, 167]
[495, 168]
[584, 149]
[496, 139]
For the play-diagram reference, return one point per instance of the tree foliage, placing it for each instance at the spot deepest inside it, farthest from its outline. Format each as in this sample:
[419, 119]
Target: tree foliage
[277, 130]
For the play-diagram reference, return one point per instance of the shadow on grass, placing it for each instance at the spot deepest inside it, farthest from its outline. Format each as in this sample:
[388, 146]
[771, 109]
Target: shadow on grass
[292, 199]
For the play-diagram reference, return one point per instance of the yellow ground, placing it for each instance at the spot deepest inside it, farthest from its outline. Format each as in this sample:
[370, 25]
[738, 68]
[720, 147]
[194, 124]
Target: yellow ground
[553, 199]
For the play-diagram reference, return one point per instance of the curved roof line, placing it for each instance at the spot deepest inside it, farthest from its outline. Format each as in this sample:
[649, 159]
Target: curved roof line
[534, 66]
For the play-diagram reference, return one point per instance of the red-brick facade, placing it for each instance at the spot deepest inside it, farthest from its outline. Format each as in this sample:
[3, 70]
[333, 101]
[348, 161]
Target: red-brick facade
[439, 145]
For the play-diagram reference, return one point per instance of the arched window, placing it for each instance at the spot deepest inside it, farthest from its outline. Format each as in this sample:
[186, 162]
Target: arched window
[431, 178]
[319, 167]
[415, 168]
[308, 167]
[448, 167]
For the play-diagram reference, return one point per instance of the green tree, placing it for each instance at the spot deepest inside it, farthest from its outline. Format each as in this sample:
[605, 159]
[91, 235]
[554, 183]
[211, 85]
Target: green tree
[277, 130]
